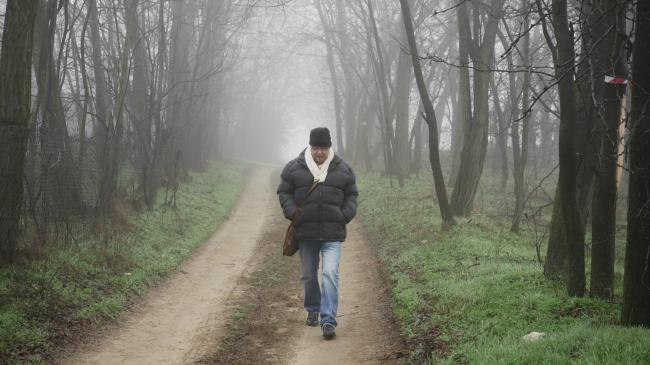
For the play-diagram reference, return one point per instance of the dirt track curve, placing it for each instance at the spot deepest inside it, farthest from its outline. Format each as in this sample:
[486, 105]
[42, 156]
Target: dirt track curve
[183, 319]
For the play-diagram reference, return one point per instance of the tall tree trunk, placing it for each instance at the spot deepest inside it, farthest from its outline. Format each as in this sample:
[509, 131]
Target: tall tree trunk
[608, 55]
[472, 159]
[402, 94]
[564, 73]
[139, 108]
[556, 264]
[636, 281]
[382, 77]
[430, 117]
[416, 131]
[15, 109]
[331, 66]
[102, 103]
[112, 156]
[103, 128]
[80, 70]
[520, 143]
[463, 112]
[201, 91]
[213, 105]
[160, 134]
[179, 77]
[61, 187]
[502, 137]
[351, 101]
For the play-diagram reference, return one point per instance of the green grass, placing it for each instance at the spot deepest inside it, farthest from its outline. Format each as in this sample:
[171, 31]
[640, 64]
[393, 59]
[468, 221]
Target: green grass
[94, 278]
[468, 295]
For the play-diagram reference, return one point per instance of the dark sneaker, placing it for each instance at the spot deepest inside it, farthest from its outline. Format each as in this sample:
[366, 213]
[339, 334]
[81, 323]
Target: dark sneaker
[312, 319]
[329, 331]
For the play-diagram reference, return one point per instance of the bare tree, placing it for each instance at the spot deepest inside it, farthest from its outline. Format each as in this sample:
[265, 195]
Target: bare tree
[15, 101]
[60, 185]
[478, 39]
[564, 72]
[605, 39]
[430, 117]
[556, 263]
[636, 291]
[336, 93]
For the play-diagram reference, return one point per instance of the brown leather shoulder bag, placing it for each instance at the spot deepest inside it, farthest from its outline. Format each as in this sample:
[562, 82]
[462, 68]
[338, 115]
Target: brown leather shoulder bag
[290, 246]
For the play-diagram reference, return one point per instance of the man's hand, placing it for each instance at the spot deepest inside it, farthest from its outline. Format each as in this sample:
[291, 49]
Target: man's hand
[297, 213]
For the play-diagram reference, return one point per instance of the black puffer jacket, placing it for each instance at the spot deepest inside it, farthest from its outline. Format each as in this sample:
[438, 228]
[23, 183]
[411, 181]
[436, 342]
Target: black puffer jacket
[329, 208]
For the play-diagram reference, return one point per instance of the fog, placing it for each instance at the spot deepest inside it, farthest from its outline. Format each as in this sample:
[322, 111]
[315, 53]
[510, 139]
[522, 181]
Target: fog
[286, 87]
[158, 90]
[132, 98]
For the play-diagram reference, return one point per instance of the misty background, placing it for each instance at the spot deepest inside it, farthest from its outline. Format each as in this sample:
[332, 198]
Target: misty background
[529, 112]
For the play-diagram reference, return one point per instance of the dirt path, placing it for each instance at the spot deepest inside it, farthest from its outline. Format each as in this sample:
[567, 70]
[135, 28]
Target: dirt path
[183, 318]
[365, 333]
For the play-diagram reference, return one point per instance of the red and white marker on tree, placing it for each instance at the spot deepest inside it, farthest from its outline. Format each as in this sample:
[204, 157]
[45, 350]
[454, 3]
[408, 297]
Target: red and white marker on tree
[617, 80]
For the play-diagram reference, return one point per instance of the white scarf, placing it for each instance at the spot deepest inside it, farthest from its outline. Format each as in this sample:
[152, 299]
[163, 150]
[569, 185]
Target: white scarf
[319, 172]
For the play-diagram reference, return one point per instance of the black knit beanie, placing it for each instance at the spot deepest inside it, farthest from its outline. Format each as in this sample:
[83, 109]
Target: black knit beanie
[320, 137]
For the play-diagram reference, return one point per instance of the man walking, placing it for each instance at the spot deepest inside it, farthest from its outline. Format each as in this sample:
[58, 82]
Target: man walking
[320, 229]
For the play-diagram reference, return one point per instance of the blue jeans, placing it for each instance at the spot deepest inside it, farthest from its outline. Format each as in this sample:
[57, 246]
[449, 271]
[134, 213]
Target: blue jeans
[325, 301]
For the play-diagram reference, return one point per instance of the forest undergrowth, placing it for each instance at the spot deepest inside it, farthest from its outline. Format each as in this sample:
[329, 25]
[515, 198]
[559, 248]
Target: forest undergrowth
[95, 274]
[469, 294]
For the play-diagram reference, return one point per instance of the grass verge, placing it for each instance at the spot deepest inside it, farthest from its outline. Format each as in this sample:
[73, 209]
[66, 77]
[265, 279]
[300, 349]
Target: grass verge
[469, 294]
[45, 302]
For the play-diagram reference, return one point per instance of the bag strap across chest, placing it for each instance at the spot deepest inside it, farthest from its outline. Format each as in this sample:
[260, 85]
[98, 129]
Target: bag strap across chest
[302, 203]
